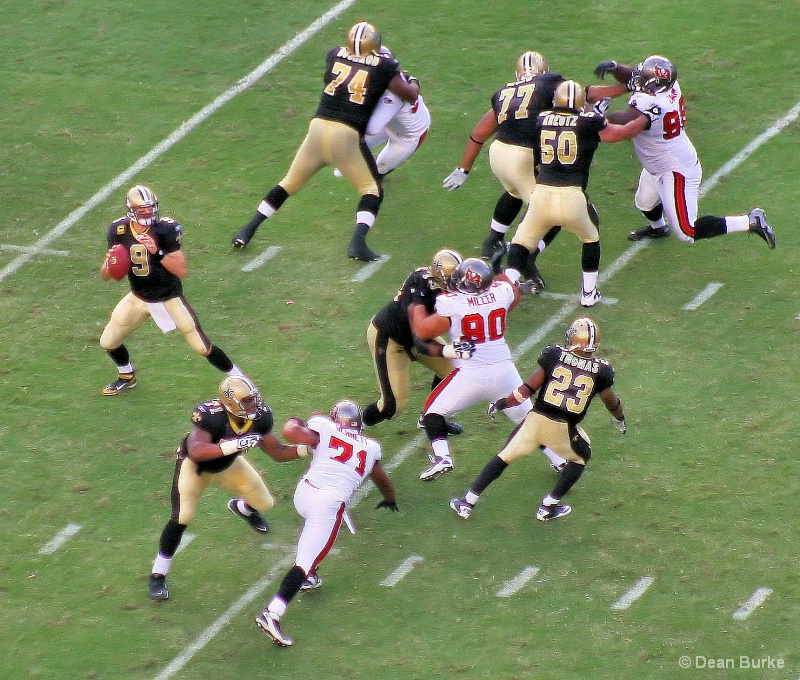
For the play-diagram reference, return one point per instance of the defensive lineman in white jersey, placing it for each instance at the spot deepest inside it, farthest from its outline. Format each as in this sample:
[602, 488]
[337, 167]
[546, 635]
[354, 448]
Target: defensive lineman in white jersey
[342, 458]
[476, 313]
[669, 183]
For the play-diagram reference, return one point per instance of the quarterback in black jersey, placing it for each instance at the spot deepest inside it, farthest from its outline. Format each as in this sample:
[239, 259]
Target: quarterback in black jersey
[566, 381]
[394, 344]
[356, 75]
[223, 429]
[157, 267]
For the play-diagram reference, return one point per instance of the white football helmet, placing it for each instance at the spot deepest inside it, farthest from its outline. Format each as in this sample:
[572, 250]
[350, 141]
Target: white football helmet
[583, 335]
[142, 205]
[531, 64]
[240, 397]
[347, 414]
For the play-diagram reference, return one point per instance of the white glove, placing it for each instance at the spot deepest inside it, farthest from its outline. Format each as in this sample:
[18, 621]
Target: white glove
[455, 179]
[458, 350]
[602, 106]
[231, 446]
[620, 424]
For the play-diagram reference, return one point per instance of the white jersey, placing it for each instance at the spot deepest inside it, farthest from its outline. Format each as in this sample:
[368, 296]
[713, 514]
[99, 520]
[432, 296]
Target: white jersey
[399, 118]
[663, 147]
[480, 319]
[342, 459]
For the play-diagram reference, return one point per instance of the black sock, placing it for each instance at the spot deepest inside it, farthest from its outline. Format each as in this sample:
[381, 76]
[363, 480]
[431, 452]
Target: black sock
[491, 471]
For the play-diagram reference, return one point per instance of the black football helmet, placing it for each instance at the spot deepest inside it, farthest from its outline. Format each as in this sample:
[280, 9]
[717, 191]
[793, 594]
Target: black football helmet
[347, 414]
[473, 276]
[569, 95]
[655, 74]
[530, 64]
[583, 335]
[142, 205]
[240, 397]
[443, 266]
[363, 39]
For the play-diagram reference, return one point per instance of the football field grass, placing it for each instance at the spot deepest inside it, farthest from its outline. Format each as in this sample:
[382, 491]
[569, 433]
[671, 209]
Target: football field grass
[679, 557]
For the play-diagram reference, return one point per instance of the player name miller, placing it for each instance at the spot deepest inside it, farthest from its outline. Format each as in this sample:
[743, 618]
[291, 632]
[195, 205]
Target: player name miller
[482, 299]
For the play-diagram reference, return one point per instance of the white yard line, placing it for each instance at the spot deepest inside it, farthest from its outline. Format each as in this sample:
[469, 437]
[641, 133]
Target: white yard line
[703, 296]
[369, 269]
[515, 584]
[405, 568]
[60, 539]
[267, 255]
[756, 600]
[634, 593]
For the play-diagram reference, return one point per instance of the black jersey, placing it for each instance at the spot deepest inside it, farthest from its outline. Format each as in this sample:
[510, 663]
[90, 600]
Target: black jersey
[353, 86]
[212, 417]
[571, 381]
[517, 105]
[149, 279]
[393, 321]
[566, 142]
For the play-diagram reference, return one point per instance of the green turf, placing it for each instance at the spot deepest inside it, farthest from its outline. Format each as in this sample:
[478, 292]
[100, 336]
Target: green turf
[699, 495]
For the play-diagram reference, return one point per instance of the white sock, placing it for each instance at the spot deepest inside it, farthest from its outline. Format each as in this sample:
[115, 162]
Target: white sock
[441, 449]
[161, 564]
[555, 459]
[266, 209]
[589, 281]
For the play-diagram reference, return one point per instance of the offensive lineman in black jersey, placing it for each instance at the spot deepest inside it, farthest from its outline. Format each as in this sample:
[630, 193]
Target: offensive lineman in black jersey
[394, 344]
[565, 383]
[356, 75]
[512, 119]
[224, 428]
[157, 267]
[566, 140]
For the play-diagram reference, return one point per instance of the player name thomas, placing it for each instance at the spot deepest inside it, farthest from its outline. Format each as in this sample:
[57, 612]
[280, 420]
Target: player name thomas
[579, 362]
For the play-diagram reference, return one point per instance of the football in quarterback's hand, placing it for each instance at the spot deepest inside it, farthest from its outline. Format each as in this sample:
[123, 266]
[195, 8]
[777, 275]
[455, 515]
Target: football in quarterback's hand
[119, 262]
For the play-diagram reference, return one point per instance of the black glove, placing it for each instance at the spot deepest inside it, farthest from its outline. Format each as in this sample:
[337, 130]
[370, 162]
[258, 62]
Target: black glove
[499, 405]
[604, 68]
[392, 505]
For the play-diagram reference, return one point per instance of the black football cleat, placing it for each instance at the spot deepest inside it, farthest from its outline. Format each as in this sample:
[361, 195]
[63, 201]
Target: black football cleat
[358, 250]
[242, 237]
[255, 519]
[126, 381]
[490, 243]
[648, 232]
[758, 225]
[157, 587]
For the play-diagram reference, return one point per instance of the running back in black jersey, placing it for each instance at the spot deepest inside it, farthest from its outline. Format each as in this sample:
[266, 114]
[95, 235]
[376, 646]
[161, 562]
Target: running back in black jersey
[393, 320]
[517, 106]
[571, 382]
[354, 85]
[148, 278]
[212, 417]
[565, 145]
